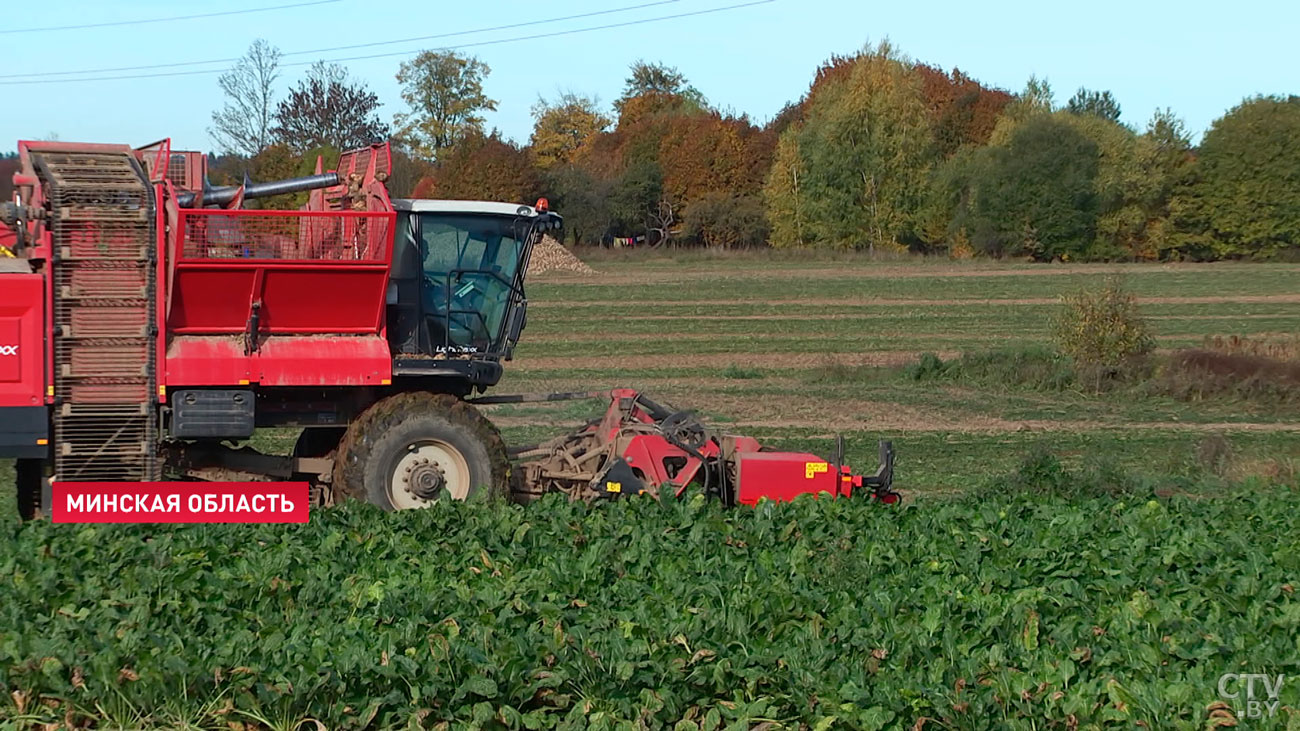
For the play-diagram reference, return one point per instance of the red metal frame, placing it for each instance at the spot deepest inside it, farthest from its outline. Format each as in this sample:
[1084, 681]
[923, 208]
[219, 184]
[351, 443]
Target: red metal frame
[759, 474]
[213, 296]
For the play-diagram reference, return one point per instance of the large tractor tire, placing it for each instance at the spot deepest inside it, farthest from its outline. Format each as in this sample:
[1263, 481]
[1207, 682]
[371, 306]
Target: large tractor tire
[413, 449]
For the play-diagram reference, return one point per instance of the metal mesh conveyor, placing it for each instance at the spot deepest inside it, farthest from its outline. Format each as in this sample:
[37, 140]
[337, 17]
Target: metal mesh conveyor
[102, 223]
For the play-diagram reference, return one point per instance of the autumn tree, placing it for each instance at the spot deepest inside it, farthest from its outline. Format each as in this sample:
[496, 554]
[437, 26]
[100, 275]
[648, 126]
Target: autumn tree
[244, 123]
[660, 82]
[328, 108]
[562, 126]
[444, 91]
[1243, 199]
[963, 112]
[8, 166]
[276, 162]
[710, 153]
[856, 170]
[408, 170]
[1095, 103]
[486, 167]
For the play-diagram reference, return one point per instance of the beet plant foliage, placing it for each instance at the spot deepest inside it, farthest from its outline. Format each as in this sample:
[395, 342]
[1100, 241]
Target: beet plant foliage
[991, 612]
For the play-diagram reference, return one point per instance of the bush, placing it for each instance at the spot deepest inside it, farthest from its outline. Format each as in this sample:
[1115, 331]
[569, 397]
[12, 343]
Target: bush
[1037, 368]
[725, 221]
[1102, 330]
[1276, 347]
[1042, 474]
[1196, 375]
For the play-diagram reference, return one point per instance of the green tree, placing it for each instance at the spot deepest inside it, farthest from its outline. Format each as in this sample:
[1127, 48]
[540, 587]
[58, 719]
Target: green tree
[1243, 196]
[1037, 98]
[1096, 103]
[1126, 188]
[1033, 196]
[584, 198]
[561, 127]
[722, 220]
[1165, 153]
[637, 197]
[863, 153]
[785, 195]
[444, 91]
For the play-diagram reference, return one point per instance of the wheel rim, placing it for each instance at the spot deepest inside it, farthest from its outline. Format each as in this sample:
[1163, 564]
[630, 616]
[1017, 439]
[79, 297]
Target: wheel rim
[426, 472]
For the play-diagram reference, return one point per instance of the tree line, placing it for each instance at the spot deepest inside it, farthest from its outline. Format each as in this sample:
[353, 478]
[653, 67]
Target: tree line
[881, 153]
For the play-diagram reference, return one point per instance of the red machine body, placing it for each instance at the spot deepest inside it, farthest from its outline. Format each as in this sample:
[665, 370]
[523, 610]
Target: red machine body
[640, 446]
[127, 284]
[298, 312]
[22, 338]
[281, 298]
[278, 298]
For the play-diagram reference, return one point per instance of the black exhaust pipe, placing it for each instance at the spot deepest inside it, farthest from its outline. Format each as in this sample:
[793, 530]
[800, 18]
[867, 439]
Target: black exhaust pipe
[226, 194]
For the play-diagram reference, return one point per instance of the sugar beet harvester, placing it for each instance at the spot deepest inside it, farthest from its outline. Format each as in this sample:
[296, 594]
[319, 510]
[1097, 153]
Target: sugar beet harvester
[148, 322]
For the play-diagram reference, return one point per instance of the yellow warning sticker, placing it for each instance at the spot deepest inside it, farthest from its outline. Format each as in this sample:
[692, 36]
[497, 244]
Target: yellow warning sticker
[812, 468]
[613, 487]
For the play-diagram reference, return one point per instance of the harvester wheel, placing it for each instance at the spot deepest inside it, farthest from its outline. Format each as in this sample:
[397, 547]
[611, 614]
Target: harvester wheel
[32, 485]
[413, 449]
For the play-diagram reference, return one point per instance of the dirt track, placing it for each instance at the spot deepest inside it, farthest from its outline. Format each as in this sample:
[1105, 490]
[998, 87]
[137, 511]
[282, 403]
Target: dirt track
[704, 270]
[705, 337]
[895, 302]
[722, 360]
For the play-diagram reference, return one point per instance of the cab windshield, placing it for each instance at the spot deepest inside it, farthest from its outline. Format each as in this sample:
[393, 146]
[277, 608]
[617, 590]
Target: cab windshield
[469, 265]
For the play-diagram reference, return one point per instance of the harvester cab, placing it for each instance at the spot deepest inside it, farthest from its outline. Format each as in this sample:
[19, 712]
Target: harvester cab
[457, 282]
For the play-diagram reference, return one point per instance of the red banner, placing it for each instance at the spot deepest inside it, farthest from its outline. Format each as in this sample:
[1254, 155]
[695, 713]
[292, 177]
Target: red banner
[179, 502]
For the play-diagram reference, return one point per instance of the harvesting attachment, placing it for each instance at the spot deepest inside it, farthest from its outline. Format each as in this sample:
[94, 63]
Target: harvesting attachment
[642, 447]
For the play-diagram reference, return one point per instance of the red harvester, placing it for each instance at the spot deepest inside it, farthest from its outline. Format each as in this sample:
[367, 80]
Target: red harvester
[147, 320]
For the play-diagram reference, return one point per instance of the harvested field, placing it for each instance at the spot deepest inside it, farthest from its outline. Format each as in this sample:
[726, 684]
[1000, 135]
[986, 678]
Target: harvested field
[799, 350]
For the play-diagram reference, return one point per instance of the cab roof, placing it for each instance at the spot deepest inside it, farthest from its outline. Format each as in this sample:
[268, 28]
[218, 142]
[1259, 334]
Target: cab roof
[490, 208]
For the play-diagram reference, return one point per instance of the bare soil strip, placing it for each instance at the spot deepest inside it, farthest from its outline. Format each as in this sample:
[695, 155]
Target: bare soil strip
[621, 337]
[802, 409]
[616, 306]
[824, 317]
[900, 423]
[618, 337]
[869, 271]
[526, 365]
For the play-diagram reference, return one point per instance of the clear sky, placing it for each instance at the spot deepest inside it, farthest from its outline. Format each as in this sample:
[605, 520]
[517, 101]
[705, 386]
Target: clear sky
[1200, 58]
